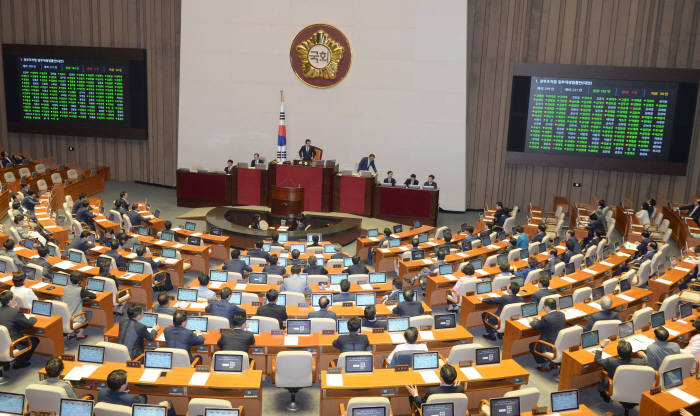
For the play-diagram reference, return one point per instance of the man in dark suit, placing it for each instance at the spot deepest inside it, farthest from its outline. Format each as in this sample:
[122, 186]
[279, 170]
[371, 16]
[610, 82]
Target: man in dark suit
[141, 256]
[338, 252]
[314, 241]
[132, 333]
[357, 267]
[409, 307]
[599, 234]
[552, 261]
[228, 169]
[353, 340]
[448, 375]
[644, 244]
[323, 311]
[81, 243]
[259, 252]
[431, 181]
[117, 392]
[163, 305]
[5, 160]
[238, 339]
[396, 290]
[542, 290]
[256, 160]
[571, 236]
[84, 215]
[114, 253]
[42, 252]
[273, 267]
[610, 364]
[15, 322]
[501, 301]
[569, 253]
[370, 318]
[307, 152]
[411, 180]
[541, 233]
[177, 336]
[594, 224]
[236, 264]
[499, 217]
[344, 295]
[693, 211]
[134, 216]
[366, 163]
[549, 326]
[124, 198]
[390, 178]
[606, 313]
[222, 307]
[272, 309]
[314, 268]
[295, 260]
[30, 201]
[107, 237]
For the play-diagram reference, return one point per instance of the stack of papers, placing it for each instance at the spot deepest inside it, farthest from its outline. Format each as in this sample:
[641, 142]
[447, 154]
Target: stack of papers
[493, 295]
[101, 220]
[98, 248]
[426, 335]
[178, 245]
[291, 340]
[158, 242]
[630, 246]
[196, 234]
[170, 261]
[625, 297]
[573, 313]
[639, 342]
[605, 263]
[492, 246]
[397, 337]
[463, 255]
[181, 304]
[481, 272]
[198, 305]
[215, 285]
[81, 371]
[686, 397]
[683, 269]
[471, 373]
[430, 377]
[65, 265]
[623, 254]
[334, 288]
[430, 244]
[150, 375]
[366, 286]
[85, 268]
[450, 277]
[372, 238]
[589, 271]
[568, 279]
[525, 321]
[664, 281]
[6, 279]
[199, 379]
[38, 285]
[334, 380]
[130, 256]
[161, 337]
[595, 305]
[672, 332]
[240, 286]
[427, 261]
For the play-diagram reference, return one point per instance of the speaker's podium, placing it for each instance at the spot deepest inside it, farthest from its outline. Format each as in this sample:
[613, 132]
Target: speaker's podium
[287, 200]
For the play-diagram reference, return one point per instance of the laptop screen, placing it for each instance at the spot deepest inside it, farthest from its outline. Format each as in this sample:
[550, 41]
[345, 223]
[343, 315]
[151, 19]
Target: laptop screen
[298, 326]
[91, 354]
[96, 285]
[283, 238]
[625, 285]
[380, 277]
[187, 295]
[235, 298]
[166, 235]
[148, 410]
[29, 272]
[372, 232]
[657, 319]
[194, 241]
[12, 403]
[445, 321]
[158, 359]
[329, 249]
[394, 242]
[281, 299]
[476, 264]
[490, 355]
[437, 409]
[466, 245]
[502, 258]
[197, 323]
[625, 329]
[506, 406]
[398, 228]
[257, 278]
[528, 309]
[598, 292]
[253, 326]
[365, 299]
[425, 360]
[149, 319]
[75, 257]
[300, 247]
[673, 378]
[485, 241]
[339, 298]
[221, 412]
[336, 278]
[445, 269]
[75, 407]
[52, 251]
[143, 230]
[416, 224]
[566, 302]
[232, 363]
[589, 339]
[189, 226]
[60, 279]
[369, 411]
[422, 238]
[570, 268]
[41, 308]
[397, 324]
[342, 326]
[218, 275]
[685, 309]
[315, 297]
[136, 267]
[359, 363]
[417, 254]
[347, 261]
[282, 262]
[589, 261]
[267, 247]
[483, 287]
[564, 400]
[215, 231]
[519, 280]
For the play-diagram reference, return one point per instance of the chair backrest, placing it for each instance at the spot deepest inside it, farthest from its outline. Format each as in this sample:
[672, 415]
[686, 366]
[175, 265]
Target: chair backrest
[9, 177]
[181, 358]
[463, 352]
[5, 342]
[630, 381]
[126, 223]
[508, 311]
[362, 402]
[601, 246]
[514, 254]
[458, 400]
[358, 278]
[76, 227]
[14, 234]
[609, 285]
[257, 261]
[559, 269]
[72, 174]
[216, 323]
[247, 298]
[109, 409]
[528, 397]
[116, 216]
[540, 306]
[606, 328]
[508, 225]
[59, 308]
[590, 251]
[684, 361]
[164, 320]
[43, 397]
[245, 362]
[197, 405]
[294, 298]
[533, 249]
[146, 266]
[476, 243]
[500, 282]
[343, 355]
[83, 257]
[319, 324]
[642, 317]
[669, 306]
[567, 337]
[294, 369]
[581, 294]
[9, 264]
[40, 168]
[643, 273]
[56, 178]
[533, 275]
[577, 259]
[42, 186]
[439, 231]
[656, 259]
[491, 261]
[274, 279]
[317, 279]
[334, 263]
[114, 352]
[267, 324]
[421, 320]
[24, 172]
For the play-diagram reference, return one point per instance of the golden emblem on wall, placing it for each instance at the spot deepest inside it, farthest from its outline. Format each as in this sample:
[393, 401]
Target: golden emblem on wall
[320, 55]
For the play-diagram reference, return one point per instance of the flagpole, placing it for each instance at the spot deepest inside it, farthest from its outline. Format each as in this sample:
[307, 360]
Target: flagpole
[282, 132]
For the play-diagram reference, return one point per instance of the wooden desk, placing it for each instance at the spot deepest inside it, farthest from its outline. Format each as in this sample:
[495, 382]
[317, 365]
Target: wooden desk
[496, 380]
[4, 203]
[197, 255]
[668, 283]
[260, 290]
[666, 404]
[220, 245]
[362, 244]
[385, 257]
[204, 189]
[582, 410]
[176, 267]
[59, 233]
[49, 330]
[404, 205]
[251, 186]
[317, 183]
[353, 194]
[243, 389]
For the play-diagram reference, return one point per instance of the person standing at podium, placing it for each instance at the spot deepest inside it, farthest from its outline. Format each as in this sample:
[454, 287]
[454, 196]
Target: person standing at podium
[307, 153]
[366, 163]
[229, 167]
[256, 160]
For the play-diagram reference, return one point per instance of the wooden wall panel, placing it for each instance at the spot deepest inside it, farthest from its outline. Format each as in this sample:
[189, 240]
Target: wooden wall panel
[646, 33]
[153, 25]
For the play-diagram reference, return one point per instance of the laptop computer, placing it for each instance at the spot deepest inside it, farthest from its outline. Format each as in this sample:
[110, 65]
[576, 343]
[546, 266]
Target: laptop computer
[569, 268]
[235, 298]
[477, 264]
[347, 261]
[625, 285]
[221, 412]
[339, 298]
[425, 361]
[95, 285]
[75, 257]
[422, 238]
[336, 278]
[589, 339]
[505, 406]
[466, 245]
[359, 363]
[483, 287]
[186, 295]
[625, 329]
[445, 321]
[315, 297]
[397, 228]
[380, 277]
[60, 279]
[365, 299]
[564, 400]
[298, 326]
[215, 231]
[369, 411]
[230, 363]
[673, 378]
[197, 323]
[402, 299]
[40, 307]
[416, 224]
[257, 278]
[149, 319]
[299, 247]
[528, 309]
[11, 403]
[598, 292]
[372, 232]
[490, 355]
[566, 302]
[519, 280]
[524, 254]
[267, 247]
[417, 254]
[485, 241]
[142, 231]
[437, 409]
[194, 241]
[394, 242]
[167, 235]
[190, 226]
[91, 354]
[685, 309]
[397, 324]
[657, 319]
[218, 275]
[148, 410]
[136, 267]
[76, 407]
[445, 269]
[328, 249]
[253, 326]
[158, 359]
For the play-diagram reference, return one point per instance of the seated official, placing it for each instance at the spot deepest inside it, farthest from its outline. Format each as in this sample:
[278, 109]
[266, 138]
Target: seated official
[295, 260]
[73, 296]
[411, 337]
[390, 178]
[531, 265]
[16, 322]
[10, 252]
[42, 252]
[454, 298]
[21, 226]
[259, 252]
[599, 235]
[409, 307]
[499, 217]
[541, 233]
[228, 169]
[141, 256]
[411, 181]
[610, 364]
[693, 211]
[569, 253]
[84, 215]
[135, 216]
[256, 160]
[542, 291]
[523, 241]
[163, 305]
[238, 339]
[236, 264]
[571, 236]
[272, 309]
[353, 340]
[431, 181]
[505, 269]
[117, 392]
[203, 292]
[396, 290]
[384, 241]
[222, 307]
[357, 267]
[275, 241]
[314, 268]
[133, 333]
[510, 297]
[323, 312]
[549, 326]
[693, 347]
[659, 349]
[307, 153]
[366, 163]
[114, 253]
[314, 241]
[30, 201]
[428, 270]
[255, 224]
[344, 295]
[54, 368]
[370, 318]
[178, 336]
[606, 312]
[19, 289]
[81, 243]
[448, 376]
[338, 252]
[552, 261]
[273, 267]
[295, 283]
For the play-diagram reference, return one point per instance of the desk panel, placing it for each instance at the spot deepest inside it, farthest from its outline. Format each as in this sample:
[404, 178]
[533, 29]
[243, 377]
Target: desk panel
[353, 195]
[405, 205]
[200, 189]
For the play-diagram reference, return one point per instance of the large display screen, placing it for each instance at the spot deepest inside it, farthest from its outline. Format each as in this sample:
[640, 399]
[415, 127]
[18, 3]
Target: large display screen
[602, 117]
[97, 92]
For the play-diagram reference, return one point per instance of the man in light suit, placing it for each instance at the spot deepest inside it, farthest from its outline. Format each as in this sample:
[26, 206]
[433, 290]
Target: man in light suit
[549, 326]
[366, 163]
[307, 152]
[295, 283]
[659, 349]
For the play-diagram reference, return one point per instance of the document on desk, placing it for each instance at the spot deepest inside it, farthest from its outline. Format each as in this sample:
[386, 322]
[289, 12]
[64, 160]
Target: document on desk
[372, 238]
[291, 340]
[482, 272]
[101, 220]
[471, 373]
[429, 376]
[366, 286]
[179, 245]
[525, 322]
[150, 375]
[240, 286]
[50, 227]
[159, 242]
[215, 285]
[130, 256]
[38, 285]
[98, 248]
[198, 305]
[334, 380]
[605, 263]
[65, 265]
[463, 255]
[199, 378]
[492, 246]
[196, 234]
[686, 397]
[672, 332]
[161, 337]
[450, 277]
[76, 373]
[589, 271]
[430, 244]
[127, 275]
[623, 254]
[181, 304]
[573, 313]
[334, 288]
[176, 229]
[683, 269]
[595, 305]
[6, 279]
[88, 369]
[664, 281]
[427, 335]
[85, 268]
[397, 337]
[170, 261]
[625, 297]
[427, 261]
[568, 279]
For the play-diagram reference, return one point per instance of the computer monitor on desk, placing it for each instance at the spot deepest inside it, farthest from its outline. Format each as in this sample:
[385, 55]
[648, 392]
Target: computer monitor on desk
[229, 363]
[11, 403]
[158, 359]
[369, 411]
[148, 410]
[437, 409]
[563, 401]
[221, 412]
[506, 406]
[197, 323]
[75, 407]
[91, 354]
[359, 363]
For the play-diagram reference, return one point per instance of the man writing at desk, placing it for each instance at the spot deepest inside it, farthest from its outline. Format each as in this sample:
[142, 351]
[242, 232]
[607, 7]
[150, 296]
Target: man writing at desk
[448, 375]
[366, 163]
[307, 153]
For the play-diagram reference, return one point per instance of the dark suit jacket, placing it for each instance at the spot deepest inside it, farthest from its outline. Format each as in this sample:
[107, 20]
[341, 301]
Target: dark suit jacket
[132, 333]
[426, 183]
[351, 342]
[693, 211]
[538, 238]
[253, 163]
[79, 244]
[537, 296]
[418, 400]
[84, 215]
[567, 256]
[259, 253]
[181, 337]
[165, 310]
[236, 265]
[408, 182]
[307, 155]
[503, 301]
[551, 263]
[358, 268]
[643, 246]
[236, 340]
[392, 181]
[377, 323]
[322, 313]
[121, 261]
[119, 397]
[315, 269]
[135, 218]
[223, 308]
[601, 316]
[577, 245]
[409, 309]
[15, 321]
[550, 325]
[228, 170]
[29, 202]
[275, 269]
[610, 364]
[365, 164]
[273, 310]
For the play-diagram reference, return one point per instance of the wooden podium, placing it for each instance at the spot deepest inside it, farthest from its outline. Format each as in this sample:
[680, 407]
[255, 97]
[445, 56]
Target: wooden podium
[287, 200]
